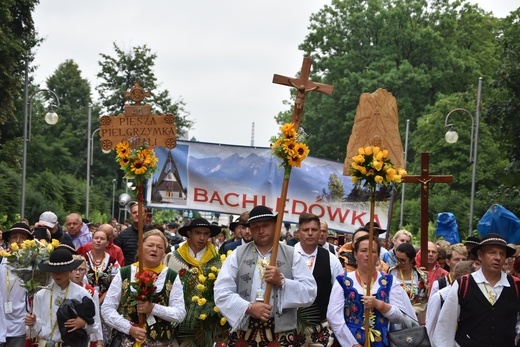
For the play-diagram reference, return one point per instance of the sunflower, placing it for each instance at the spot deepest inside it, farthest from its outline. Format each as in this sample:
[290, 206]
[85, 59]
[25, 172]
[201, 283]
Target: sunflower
[295, 160]
[138, 167]
[123, 149]
[289, 147]
[287, 128]
[302, 150]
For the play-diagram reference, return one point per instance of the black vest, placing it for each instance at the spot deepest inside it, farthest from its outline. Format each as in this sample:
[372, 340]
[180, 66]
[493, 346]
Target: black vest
[322, 275]
[484, 325]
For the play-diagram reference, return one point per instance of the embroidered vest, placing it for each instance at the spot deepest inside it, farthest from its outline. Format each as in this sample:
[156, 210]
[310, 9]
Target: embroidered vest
[160, 331]
[284, 320]
[354, 309]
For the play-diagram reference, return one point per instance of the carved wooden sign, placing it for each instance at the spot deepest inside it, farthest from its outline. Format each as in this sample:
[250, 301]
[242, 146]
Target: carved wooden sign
[138, 124]
[376, 124]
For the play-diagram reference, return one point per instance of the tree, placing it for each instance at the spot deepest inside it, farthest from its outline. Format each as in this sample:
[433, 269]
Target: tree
[120, 72]
[416, 49]
[17, 37]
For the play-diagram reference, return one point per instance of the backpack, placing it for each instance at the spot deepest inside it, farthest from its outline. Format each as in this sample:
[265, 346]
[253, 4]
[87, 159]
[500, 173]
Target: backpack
[464, 285]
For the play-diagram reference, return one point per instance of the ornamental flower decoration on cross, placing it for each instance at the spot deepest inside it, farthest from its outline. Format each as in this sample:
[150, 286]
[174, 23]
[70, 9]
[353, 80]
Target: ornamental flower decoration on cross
[24, 260]
[204, 323]
[136, 160]
[290, 147]
[373, 166]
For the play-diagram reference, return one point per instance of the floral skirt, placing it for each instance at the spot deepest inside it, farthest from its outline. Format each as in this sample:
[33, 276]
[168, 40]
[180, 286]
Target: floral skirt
[261, 334]
[318, 336]
[127, 341]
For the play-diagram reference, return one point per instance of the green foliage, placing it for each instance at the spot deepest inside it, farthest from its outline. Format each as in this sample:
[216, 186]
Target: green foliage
[17, 37]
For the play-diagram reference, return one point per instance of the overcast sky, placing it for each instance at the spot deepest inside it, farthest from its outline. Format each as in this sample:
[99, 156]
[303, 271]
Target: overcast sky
[219, 56]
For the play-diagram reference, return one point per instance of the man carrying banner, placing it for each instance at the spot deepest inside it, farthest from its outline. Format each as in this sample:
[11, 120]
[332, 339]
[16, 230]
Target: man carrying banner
[239, 290]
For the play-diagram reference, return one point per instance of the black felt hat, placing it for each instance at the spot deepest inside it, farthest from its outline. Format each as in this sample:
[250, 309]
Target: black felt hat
[377, 229]
[494, 239]
[260, 213]
[60, 260]
[18, 228]
[200, 222]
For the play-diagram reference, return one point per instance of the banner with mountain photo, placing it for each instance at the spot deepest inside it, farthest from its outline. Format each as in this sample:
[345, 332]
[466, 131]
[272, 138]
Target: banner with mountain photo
[233, 179]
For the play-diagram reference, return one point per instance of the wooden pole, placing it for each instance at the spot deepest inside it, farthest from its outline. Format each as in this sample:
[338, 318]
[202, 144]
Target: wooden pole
[140, 226]
[370, 264]
[277, 232]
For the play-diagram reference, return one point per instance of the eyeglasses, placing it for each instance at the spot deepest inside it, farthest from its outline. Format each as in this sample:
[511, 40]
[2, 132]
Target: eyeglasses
[80, 269]
[402, 260]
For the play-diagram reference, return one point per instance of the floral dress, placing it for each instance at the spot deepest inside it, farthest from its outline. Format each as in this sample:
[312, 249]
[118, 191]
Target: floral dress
[416, 288]
[99, 275]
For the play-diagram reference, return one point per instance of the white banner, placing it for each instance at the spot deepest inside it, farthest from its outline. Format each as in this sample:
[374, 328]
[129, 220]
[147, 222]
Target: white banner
[233, 179]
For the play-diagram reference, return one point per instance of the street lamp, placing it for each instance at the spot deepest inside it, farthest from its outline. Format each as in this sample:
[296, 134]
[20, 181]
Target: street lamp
[90, 159]
[113, 197]
[452, 137]
[51, 118]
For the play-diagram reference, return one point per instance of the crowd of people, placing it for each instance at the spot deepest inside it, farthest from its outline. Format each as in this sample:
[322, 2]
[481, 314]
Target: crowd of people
[314, 292]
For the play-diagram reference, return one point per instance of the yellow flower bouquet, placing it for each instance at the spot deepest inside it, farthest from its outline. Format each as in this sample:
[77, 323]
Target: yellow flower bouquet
[373, 166]
[136, 160]
[290, 147]
[24, 260]
[204, 323]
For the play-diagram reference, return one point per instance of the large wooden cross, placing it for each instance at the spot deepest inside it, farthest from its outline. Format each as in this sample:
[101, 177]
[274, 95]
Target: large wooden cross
[303, 85]
[425, 179]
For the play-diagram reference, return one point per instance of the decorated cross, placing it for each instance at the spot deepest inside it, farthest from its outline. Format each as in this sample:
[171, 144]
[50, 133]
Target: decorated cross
[303, 85]
[424, 180]
[139, 124]
[134, 134]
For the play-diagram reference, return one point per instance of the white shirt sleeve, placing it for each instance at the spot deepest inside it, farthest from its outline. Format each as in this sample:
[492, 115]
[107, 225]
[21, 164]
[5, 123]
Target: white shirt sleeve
[435, 288]
[232, 306]
[432, 313]
[174, 312]
[301, 290]
[444, 333]
[97, 335]
[336, 318]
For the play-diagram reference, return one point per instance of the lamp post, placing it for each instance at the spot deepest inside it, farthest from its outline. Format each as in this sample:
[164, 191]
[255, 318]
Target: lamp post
[452, 137]
[51, 118]
[114, 181]
[90, 159]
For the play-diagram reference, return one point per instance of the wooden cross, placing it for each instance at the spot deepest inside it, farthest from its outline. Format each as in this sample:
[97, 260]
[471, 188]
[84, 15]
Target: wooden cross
[425, 179]
[303, 85]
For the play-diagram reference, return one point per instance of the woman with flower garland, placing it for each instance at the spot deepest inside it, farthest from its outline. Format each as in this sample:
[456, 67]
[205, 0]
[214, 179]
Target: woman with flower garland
[157, 293]
[412, 279]
[349, 299]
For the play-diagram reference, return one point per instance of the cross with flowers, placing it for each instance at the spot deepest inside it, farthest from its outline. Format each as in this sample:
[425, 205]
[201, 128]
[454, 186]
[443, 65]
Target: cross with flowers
[289, 145]
[134, 135]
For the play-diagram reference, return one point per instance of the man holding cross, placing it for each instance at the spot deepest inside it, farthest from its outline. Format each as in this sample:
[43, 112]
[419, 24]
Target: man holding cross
[239, 290]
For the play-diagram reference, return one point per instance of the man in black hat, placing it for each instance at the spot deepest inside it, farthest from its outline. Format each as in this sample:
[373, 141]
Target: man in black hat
[482, 308]
[241, 229]
[14, 294]
[236, 233]
[43, 321]
[241, 284]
